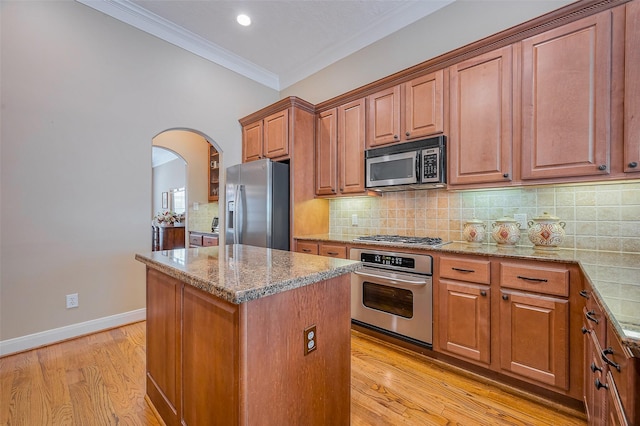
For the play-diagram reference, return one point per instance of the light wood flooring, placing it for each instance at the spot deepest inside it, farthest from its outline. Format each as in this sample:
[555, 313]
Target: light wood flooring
[100, 380]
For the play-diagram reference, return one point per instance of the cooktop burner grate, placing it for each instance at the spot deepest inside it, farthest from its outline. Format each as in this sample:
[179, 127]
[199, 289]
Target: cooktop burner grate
[400, 239]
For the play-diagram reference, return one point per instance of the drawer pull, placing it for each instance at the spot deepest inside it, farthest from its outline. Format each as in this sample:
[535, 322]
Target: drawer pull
[483, 293]
[590, 317]
[599, 384]
[604, 354]
[538, 280]
[463, 270]
[306, 250]
[505, 297]
[584, 294]
[585, 330]
[594, 367]
[333, 253]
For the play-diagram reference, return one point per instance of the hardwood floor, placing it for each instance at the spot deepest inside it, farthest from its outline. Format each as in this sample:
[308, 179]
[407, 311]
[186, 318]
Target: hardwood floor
[100, 380]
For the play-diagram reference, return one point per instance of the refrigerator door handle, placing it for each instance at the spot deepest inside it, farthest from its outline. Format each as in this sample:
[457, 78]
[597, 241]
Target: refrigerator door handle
[239, 214]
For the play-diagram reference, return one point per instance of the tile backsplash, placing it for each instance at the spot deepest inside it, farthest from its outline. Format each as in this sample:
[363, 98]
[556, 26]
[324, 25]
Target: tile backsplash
[200, 220]
[603, 216]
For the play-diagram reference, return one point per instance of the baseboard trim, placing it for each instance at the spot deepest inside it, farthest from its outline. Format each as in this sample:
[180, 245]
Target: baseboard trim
[36, 340]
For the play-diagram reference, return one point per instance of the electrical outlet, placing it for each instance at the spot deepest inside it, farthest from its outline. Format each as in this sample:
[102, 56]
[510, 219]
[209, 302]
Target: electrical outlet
[310, 339]
[521, 218]
[354, 220]
[72, 300]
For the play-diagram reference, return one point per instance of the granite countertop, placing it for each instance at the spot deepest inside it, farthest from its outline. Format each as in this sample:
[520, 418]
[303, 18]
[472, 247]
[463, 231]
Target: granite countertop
[613, 275]
[241, 273]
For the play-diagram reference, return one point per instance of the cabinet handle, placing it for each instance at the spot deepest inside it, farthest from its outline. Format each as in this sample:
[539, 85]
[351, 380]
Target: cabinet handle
[483, 293]
[396, 137]
[306, 250]
[599, 384]
[407, 134]
[633, 164]
[332, 253]
[584, 293]
[463, 270]
[606, 359]
[585, 330]
[538, 280]
[594, 367]
[590, 316]
[506, 175]
[602, 167]
[505, 297]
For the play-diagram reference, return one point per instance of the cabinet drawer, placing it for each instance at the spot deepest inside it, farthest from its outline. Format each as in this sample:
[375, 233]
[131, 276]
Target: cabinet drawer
[333, 251]
[209, 241]
[458, 268]
[539, 279]
[306, 247]
[625, 374]
[195, 240]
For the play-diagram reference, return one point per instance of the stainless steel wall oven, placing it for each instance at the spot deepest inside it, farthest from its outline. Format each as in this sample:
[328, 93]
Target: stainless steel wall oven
[393, 293]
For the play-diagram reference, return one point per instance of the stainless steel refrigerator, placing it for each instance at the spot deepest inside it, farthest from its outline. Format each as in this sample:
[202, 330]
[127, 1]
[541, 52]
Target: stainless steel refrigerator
[257, 204]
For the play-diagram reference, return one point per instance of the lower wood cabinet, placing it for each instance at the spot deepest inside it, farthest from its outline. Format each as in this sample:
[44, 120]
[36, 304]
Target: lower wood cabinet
[200, 239]
[167, 237]
[534, 337]
[306, 247]
[322, 249]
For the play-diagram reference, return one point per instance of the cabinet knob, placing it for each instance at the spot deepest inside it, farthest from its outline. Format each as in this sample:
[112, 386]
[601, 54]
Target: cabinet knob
[505, 297]
[585, 330]
[396, 137]
[407, 134]
[633, 164]
[594, 367]
[599, 384]
[506, 175]
[602, 167]
[483, 293]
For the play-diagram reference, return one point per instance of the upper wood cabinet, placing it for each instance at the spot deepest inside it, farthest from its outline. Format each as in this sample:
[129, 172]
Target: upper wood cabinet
[566, 100]
[340, 144]
[632, 89]
[407, 111]
[481, 123]
[268, 137]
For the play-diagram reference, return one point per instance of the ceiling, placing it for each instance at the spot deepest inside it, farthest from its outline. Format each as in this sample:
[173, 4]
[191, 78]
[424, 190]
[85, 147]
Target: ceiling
[287, 41]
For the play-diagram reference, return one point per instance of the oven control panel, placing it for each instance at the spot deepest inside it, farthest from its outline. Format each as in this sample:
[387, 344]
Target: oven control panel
[406, 262]
[385, 259]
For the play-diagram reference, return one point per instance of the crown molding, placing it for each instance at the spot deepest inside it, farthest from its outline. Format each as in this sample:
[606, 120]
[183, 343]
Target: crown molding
[132, 14]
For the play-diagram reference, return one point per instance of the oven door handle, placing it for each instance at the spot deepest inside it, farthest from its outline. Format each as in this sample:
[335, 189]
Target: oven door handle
[382, 276]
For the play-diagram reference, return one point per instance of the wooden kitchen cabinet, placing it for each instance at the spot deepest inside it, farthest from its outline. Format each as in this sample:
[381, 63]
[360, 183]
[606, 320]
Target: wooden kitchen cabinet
[407, 111]
[464, 315]
[307, 247]
[266, 138]
[340, 144]
[202, 239]
[566, 100]
[167, 237]
[333, 250]
[481, 121]
[632, 89]
[214, 174]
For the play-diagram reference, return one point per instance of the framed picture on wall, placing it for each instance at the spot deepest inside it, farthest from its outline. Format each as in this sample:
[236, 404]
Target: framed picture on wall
[165, 200]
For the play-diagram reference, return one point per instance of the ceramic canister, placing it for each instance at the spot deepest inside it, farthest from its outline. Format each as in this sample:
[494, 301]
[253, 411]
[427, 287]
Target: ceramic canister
[506, 231]
[546, 232]
[474, 231]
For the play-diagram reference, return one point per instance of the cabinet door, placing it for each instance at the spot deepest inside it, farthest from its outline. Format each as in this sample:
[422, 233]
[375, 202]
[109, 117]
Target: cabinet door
[276, 135]
[252, 142]
[330, 250]
[481, 119]
[383, 116]
[423, 106]
[351, 144]
[306, 247]
[632, 89]
[534, 337]
[465, 320]
[566, 100]
[327, 152]
[594, 397]
[615, 412]
[163, 345]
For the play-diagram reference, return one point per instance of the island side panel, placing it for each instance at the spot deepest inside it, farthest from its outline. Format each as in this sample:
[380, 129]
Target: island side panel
[283, 385]
[210, 359]
[163, 349]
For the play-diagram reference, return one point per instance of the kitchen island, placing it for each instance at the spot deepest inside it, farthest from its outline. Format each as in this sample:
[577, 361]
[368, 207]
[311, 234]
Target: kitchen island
[246, 335]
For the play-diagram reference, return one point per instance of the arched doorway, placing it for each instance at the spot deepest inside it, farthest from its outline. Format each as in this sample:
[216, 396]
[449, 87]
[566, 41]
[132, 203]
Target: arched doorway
[201, 206]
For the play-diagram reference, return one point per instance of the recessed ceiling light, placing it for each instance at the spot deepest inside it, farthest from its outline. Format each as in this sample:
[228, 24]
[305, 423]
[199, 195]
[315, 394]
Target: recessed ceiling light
[243, 20]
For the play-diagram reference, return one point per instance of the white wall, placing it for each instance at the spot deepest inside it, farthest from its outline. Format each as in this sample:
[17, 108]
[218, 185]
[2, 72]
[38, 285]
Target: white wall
[82, 97]
[451, 27]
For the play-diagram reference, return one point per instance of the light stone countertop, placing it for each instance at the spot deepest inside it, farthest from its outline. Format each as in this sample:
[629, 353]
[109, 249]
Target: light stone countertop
[241, 273]
[615, 277]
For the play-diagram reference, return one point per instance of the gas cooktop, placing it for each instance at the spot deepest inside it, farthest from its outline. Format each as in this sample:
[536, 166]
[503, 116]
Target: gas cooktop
[400, 239]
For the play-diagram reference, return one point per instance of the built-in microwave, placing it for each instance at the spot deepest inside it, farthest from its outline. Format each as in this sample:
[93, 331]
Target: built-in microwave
[411, 165]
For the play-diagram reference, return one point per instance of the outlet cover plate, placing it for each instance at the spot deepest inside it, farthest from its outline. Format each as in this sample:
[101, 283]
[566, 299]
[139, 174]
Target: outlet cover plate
[521, 218]
[72, 300]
